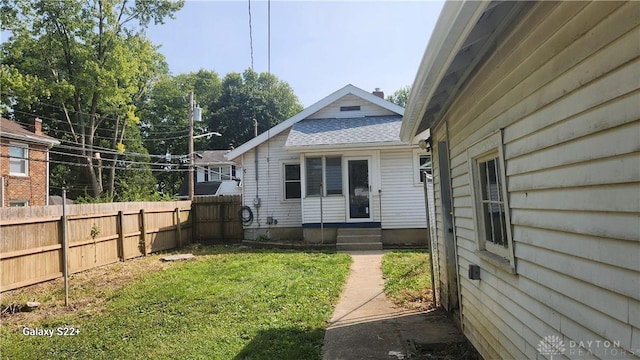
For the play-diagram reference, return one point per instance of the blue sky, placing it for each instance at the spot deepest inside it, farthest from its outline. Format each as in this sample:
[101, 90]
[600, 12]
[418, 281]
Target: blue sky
[316, 46]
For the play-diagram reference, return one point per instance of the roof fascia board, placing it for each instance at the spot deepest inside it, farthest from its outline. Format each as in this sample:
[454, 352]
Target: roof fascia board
[31, 139]
[348, 89]
[358, 146]
[454, 25]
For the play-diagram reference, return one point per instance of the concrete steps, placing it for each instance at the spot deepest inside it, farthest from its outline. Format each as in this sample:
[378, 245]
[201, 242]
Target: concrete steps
[359, 239]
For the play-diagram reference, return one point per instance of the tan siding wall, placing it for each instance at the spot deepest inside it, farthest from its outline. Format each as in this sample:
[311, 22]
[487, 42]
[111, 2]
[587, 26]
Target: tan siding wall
[366, 109]
[402, 200]
[565, 89]
[270, 190]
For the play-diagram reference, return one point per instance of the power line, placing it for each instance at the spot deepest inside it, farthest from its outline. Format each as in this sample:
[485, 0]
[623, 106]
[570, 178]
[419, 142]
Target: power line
[250, 35]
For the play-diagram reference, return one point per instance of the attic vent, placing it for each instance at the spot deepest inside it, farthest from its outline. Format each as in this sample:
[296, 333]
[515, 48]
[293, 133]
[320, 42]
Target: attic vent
[350, 108]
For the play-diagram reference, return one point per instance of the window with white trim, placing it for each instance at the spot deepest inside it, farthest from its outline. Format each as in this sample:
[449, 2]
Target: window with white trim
[19, 159]
[489, 192]
[18, 203]
[325, 170]
[292, 187]
[421, 164]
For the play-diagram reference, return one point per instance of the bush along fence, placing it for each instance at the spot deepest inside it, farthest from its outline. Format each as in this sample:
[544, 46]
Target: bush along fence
[31, 238]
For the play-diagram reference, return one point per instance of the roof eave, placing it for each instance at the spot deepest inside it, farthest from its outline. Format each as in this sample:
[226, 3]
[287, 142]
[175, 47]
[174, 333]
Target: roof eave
[353, 146]
[456, 21]
[32, 139]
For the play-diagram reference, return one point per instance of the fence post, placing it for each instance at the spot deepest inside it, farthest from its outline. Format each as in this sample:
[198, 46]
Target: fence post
[194, 221]
[223, 218]
[65, 248]
[143, 233]
[178, 228]
[120, 230]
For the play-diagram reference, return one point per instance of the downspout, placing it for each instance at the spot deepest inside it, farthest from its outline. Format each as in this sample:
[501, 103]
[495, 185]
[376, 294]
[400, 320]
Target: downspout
[256, 200]
[426, 206]
[453, 226]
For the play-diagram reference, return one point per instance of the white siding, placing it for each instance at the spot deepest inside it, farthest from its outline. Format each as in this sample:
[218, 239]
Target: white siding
[565, 89]
[366, 109]
[333, 209]
[402, 200]
[270, 184]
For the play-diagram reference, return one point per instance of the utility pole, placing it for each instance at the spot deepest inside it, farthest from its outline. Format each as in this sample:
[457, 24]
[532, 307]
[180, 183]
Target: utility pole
[191, 155]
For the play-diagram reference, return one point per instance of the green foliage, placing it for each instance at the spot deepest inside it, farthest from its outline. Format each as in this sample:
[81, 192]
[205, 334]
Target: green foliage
[227, 304]
[400, 96]
[249, 96]
[81, 66]
[95, 231]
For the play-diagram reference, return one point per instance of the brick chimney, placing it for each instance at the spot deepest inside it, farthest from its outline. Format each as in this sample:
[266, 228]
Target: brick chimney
[36, 127]
[379, 93]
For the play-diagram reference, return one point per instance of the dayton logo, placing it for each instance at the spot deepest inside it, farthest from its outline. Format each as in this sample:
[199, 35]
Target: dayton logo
[551, 345]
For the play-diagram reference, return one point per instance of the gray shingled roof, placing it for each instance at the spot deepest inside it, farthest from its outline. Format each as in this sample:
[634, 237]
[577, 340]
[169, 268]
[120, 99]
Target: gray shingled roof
[343, 131]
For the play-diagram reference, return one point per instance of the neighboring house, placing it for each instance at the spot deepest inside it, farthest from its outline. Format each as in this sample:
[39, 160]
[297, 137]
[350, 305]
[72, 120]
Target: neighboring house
[211, 169]
[333, 171]
[534, 111]
[24, 164]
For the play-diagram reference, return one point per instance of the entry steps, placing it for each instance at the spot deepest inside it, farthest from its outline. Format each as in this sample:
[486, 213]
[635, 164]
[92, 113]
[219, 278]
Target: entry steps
[359, 239]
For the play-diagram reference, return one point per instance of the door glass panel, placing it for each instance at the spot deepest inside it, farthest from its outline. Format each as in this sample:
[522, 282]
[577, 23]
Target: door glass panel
[359, 189]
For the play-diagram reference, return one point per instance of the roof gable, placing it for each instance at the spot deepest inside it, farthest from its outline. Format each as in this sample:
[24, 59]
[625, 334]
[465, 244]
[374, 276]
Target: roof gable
[382, 104]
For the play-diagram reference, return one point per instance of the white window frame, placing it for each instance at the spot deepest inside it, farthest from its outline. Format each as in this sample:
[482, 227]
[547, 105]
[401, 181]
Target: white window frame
[323, 170]
[284, 181]
[483, 150]
[416, 165]
[18, 203]
[25, 158]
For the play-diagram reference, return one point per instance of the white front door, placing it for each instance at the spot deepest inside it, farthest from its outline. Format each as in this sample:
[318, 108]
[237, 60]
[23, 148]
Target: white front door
[359, 189]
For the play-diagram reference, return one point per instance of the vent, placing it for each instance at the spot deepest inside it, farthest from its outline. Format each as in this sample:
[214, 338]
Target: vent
[350, 108]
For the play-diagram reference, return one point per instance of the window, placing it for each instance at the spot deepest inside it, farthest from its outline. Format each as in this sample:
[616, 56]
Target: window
[333, 174]
[328, 169]
[350, 108]
[18, 203]
[292, 187]
[19, 159]
[421, 163]
[491, 208]
[314, 176]
[424, 165]
[215, 173]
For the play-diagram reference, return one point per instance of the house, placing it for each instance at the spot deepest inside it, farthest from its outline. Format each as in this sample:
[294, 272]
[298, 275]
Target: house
[211, 170]
[24, 168]
[335, 172]
[534, 115]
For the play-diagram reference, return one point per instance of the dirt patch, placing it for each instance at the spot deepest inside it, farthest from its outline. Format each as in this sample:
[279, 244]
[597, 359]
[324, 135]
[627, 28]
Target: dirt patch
[88, 291]
[415, 300]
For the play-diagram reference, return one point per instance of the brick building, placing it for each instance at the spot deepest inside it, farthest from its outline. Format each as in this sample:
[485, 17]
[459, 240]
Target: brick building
[24, 164]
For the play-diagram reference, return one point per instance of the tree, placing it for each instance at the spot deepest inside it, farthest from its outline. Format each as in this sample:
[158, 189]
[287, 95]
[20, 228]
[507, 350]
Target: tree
[85, 63]
[400, 96]
[246, 97]
[165, 113]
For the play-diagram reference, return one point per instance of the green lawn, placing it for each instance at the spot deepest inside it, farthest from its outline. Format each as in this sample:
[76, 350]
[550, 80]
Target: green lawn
[230, 303]
[407, 278]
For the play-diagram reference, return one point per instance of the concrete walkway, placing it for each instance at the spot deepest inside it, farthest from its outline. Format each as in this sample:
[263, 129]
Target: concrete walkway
[366, 325]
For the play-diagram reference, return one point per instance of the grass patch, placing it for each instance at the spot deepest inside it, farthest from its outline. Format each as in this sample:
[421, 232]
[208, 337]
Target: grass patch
[407, 278]
[229, 303]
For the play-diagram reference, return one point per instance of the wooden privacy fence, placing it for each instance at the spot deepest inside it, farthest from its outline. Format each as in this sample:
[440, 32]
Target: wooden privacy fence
[217, 218]
[97, 234]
